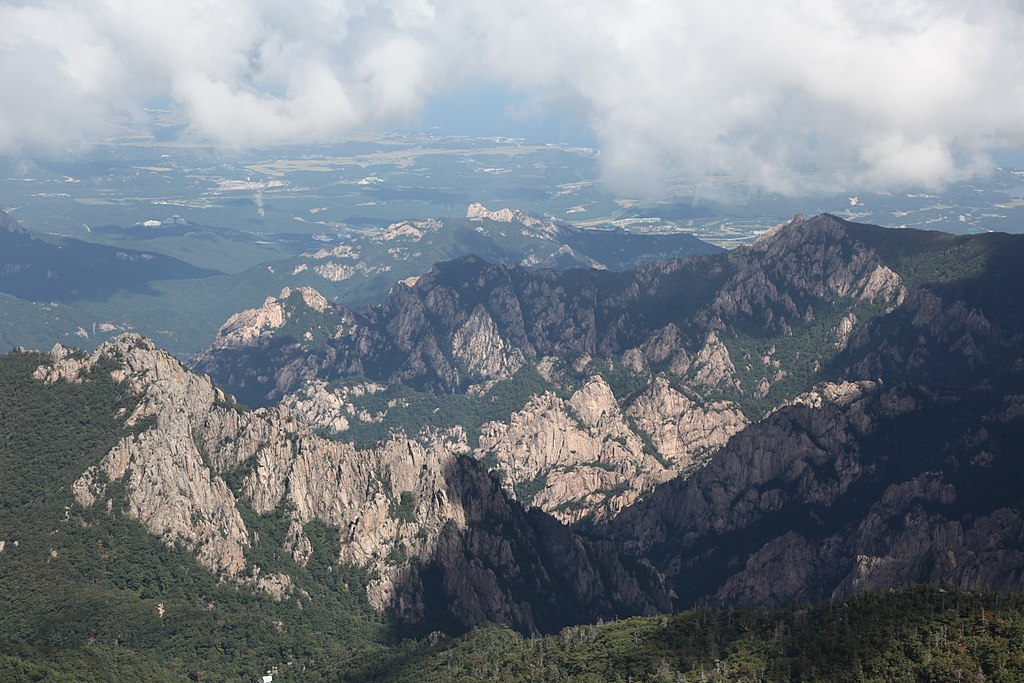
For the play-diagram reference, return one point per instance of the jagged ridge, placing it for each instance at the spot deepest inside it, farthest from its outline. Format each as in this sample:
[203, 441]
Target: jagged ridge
[434, 530]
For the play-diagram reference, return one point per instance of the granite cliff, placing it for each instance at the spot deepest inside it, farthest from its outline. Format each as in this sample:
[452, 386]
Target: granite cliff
[690, 352]
[836, 408]
[435, 533]
[869, 489]
[776, 379]
[898, 472]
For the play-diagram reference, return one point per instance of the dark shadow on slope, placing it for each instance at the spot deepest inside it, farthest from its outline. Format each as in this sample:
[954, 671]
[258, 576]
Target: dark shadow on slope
[787, 510]
[407, 337]
[962, 326]
[521, 568]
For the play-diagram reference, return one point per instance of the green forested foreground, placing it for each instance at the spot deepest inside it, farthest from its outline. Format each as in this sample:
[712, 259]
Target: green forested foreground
[927, 634]
[88, 595]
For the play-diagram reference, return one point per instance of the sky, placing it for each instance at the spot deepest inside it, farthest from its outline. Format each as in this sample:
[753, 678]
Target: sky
[787, 96]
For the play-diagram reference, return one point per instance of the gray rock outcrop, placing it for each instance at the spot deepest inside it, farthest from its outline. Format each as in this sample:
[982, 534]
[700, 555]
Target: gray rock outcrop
[403, 510]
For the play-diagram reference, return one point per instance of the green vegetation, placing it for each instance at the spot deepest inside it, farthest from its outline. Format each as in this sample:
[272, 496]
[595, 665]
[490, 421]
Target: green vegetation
[648, 442]
[228, 401]
[87, 594]
[623, 381]
[409, 411]
[805, 354]
[931, 259]
[71, 269]
[922, 634]
[404, 509]
[307, 326]
[526, 491]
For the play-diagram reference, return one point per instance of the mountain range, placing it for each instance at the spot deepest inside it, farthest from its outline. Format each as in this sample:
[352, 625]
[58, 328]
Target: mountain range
[174, 281]
[835, 409]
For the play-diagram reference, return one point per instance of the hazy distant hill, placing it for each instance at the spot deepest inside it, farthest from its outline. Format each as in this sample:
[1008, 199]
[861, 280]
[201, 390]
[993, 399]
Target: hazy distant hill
[109, 288]
[36, 270]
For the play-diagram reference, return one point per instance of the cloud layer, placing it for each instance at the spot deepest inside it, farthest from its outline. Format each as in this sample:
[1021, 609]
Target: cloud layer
[783, 96]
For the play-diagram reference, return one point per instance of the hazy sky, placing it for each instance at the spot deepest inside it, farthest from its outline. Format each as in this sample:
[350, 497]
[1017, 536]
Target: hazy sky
[781, 94]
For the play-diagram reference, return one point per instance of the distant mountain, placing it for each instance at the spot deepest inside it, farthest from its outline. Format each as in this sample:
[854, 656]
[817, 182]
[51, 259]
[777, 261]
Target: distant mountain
[37, 270]
[108, 289]
[364, 264]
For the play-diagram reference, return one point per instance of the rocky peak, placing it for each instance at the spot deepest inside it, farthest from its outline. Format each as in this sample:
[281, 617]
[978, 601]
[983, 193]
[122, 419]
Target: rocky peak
[479, 346]
[594, 403]
[857, 487]
[401, 508]
[477, 211]
[684, 428]
[312, 298]
[568, 463]
[170, 486]
[799, 229]
[585, 457]
[711, 368]
[248, 326]
[771, 232]
[410, 230]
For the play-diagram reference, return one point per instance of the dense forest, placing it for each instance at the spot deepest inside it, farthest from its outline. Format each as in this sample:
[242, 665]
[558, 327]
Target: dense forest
[926, 633]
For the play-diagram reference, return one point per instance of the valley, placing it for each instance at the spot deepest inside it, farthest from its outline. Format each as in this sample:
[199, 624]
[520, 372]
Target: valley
[831, 410]
[575, 342]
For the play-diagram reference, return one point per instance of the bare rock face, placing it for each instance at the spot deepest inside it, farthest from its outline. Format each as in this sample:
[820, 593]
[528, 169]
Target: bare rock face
[572, 458]
[333, 409]
[663, 343]
[409, 230]
[389, 502]
[841, 393]
[881, 284]
[711, 368]
[322, 408]
[477, 211]
[339, 272]
[857, 487]
[483, 351]
[843, 331]
[171, 488]
[798, 260]
[685, 430]
[575, 458]
[246, 327]
[401, 509]
[584, 458]
[264, 332]
[932, 340]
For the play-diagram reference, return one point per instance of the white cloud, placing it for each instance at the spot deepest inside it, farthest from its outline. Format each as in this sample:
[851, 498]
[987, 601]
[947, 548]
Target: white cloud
[780, 95]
